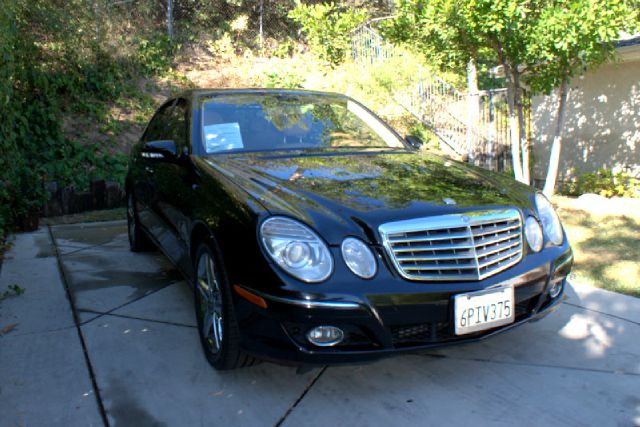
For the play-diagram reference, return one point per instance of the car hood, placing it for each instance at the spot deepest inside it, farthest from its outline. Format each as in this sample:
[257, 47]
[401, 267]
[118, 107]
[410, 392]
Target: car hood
[346, 193]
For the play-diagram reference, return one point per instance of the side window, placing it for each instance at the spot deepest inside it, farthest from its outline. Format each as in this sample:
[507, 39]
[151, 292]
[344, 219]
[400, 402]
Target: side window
[177, 125]
[157, 126]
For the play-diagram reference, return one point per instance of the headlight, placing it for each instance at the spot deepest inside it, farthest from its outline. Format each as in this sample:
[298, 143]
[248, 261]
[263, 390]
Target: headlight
[359, 258]
[550, 222]
[533, 233]
[296, 249]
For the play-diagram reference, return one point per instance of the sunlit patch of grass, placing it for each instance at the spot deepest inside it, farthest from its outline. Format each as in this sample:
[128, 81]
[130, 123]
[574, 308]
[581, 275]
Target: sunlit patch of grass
[606, 248]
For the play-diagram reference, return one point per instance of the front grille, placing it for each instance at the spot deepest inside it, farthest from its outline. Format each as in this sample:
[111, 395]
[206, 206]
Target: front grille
[469, 246]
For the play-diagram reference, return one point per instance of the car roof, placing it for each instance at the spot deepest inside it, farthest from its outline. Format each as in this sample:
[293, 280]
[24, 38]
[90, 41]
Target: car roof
[197, 93]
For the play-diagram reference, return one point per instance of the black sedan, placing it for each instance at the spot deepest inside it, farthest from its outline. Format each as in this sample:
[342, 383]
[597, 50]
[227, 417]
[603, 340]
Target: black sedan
[314, 234]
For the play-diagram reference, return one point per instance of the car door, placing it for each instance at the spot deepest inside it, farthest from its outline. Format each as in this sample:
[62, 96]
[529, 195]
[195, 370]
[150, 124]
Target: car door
[175, 181]
[142, 168]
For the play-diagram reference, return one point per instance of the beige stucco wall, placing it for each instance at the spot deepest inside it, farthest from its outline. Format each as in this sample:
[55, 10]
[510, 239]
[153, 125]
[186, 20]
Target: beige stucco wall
[602, 123]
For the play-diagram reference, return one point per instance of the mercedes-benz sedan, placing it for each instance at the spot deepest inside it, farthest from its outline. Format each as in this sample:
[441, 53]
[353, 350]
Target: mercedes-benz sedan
[313, 233]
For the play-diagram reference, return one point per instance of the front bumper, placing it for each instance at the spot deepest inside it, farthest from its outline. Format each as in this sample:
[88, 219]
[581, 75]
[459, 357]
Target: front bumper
[384, 324]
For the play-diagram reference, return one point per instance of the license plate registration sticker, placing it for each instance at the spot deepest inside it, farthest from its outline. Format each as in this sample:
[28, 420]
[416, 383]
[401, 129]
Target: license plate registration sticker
[476, 311]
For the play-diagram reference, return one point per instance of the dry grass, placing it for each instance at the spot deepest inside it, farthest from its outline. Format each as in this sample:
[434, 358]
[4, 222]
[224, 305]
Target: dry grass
[606, 243]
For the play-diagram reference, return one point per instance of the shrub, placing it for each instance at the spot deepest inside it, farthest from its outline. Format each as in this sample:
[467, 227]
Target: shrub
[223, 47]
[154, 54]
[605, 183]
[328, 28]
[52, 63]
[284, 80]
[20, 182]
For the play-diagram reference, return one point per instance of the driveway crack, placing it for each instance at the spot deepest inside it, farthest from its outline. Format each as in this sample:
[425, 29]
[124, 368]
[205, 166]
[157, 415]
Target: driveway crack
[532, 365]
[124, 316]
[76, 319]
[76, 250]
[603, 313]
[24, 334]
[100, 314]
[299, 399]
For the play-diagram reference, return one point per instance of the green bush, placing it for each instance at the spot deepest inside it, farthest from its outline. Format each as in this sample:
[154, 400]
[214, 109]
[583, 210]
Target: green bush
[328, 28]
[20, 186]
[154, 54]
[605, 183]
[53, 61]
[283, 80]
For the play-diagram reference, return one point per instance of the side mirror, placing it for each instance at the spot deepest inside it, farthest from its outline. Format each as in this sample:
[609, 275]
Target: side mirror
[414, 141]
[164, 149]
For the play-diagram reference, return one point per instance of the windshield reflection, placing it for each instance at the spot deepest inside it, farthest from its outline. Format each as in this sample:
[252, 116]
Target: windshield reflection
[271, 122]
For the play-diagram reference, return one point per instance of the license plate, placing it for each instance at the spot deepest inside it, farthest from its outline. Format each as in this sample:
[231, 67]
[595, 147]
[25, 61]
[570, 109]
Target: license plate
[477, 311]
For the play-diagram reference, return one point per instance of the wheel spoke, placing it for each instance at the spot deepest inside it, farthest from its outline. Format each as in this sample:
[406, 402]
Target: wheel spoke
[203, 278]
[130, 206]
[131, 223]
[207, 271]
[207, 323]
[217, 329]
[203, 290]
[211, 277]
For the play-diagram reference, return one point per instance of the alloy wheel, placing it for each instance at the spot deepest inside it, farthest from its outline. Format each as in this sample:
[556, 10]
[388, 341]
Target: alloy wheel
[210, 303]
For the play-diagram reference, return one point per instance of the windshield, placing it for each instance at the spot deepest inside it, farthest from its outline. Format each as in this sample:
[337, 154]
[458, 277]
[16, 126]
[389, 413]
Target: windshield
[265, 122]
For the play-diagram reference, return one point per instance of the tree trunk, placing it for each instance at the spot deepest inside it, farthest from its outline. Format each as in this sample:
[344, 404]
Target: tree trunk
[473, 109]
[516, 160]
[524, 144]
[98, 20]
[554, 156]
[170, 18]
[261, 29]
[493, 132]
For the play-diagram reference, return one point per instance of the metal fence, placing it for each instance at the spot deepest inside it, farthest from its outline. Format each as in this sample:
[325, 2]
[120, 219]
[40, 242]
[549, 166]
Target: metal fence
[494, 150]
[368, 46]
[472, 125]
[475, 126]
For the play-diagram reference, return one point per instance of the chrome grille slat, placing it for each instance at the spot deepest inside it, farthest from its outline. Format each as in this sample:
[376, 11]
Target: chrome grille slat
[429, 267]
[498, 257]
[452, 236]
[462, 247]
[488, 245]
[484, 231]
[484, 240]
[456, 276]
[402, 258]
[434, 248]
[489, 251]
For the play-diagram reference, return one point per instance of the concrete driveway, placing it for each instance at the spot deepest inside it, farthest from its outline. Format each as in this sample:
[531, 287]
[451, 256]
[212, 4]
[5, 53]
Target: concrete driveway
[129, 355]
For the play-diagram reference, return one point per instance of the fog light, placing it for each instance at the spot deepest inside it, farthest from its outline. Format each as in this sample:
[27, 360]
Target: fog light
[556, 288]
[325, 336]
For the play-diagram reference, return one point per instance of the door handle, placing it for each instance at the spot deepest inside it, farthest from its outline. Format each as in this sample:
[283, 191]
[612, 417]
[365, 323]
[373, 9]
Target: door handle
[149, 169]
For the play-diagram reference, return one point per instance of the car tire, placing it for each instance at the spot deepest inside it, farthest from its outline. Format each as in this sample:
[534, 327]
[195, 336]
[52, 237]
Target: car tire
[220, 338]
[138, 239]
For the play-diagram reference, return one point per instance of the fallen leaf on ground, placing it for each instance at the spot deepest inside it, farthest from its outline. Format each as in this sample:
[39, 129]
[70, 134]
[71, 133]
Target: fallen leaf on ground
[10, 327]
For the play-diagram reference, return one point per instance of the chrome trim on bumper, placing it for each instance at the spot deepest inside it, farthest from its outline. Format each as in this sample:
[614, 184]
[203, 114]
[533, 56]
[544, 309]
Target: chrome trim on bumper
[563, 263]
[339, 305]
